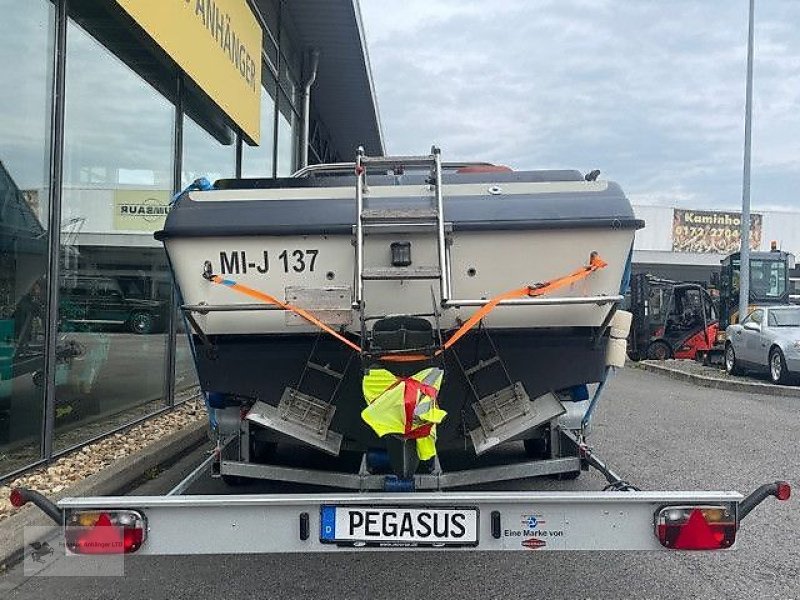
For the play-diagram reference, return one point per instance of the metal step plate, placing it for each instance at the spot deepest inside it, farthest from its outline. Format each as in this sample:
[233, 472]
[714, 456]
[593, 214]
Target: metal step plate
[387, 273]
[509, 413]
[399, 214]
[331, 305]
[302, 417]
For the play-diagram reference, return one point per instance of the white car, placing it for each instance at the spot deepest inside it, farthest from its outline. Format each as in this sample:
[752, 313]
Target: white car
[767, 340]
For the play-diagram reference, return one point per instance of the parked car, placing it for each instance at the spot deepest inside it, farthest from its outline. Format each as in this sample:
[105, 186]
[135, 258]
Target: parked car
[96, 302]
[767, 340]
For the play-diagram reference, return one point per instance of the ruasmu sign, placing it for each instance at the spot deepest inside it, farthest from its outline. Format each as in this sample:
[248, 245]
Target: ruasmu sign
[712, 231]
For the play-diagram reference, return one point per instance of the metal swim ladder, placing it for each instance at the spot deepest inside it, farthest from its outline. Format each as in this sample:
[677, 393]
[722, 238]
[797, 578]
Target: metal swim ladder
[432, 217]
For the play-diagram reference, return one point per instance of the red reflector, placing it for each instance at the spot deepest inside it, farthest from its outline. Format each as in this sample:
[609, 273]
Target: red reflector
[783, 493]
[695, 528]
[111, 532]
[16, 498]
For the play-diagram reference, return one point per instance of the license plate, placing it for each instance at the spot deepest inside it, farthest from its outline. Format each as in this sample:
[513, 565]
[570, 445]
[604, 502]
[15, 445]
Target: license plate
[398, 526]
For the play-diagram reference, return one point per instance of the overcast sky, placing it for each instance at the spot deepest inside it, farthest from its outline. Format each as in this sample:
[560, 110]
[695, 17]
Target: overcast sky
[649, 91]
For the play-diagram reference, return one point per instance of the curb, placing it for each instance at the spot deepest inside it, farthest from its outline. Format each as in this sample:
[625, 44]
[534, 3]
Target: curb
[751, 387]
[114, 478]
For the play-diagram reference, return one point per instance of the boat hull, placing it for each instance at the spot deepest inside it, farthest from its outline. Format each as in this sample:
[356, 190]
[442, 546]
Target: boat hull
[294, 240]
[262, 366]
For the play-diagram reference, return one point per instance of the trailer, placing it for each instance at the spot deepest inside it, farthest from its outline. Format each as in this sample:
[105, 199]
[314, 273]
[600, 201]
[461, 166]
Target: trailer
[620, 517]
[378, 318]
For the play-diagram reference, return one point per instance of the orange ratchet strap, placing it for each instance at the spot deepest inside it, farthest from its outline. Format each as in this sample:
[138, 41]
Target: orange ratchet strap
[530, 291]
[263, 297]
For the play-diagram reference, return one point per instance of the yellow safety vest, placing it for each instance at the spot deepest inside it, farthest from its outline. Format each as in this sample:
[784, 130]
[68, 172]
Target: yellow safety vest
[405, 406]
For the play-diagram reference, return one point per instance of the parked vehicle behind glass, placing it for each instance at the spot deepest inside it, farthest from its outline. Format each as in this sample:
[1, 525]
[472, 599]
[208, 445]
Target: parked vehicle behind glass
[95, 302]
[768, 340]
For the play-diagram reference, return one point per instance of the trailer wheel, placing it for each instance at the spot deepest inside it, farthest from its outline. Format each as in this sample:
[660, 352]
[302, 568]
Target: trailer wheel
[261, 451]
[537, 448]
[659, 350]
[543, 445]
[235, 480]
[731, 366]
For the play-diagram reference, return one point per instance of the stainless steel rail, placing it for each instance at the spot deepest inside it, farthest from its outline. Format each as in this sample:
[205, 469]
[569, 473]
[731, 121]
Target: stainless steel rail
[207, 308]
[349, 167]
[599, 300]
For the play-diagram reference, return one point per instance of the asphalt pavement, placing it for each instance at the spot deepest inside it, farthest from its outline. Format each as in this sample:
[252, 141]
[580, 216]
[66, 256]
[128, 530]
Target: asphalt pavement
[659, 433]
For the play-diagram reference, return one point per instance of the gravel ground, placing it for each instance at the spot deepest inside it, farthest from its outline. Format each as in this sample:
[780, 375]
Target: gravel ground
[660, 433]
[90, 459]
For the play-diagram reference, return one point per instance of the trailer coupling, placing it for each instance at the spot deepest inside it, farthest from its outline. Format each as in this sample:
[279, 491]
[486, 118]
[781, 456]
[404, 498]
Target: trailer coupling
[283, 523]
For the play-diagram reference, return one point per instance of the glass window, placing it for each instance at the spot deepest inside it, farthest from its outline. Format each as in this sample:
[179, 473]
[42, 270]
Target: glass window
[25, 96]
[115, 290]
[757, 316]
[287, 139]
[257, 160]
[185, 371]
[204, 156]
[767, 279]
[784, 317]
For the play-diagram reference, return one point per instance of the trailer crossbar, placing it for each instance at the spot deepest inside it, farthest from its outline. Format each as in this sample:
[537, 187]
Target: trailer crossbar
[293, 523]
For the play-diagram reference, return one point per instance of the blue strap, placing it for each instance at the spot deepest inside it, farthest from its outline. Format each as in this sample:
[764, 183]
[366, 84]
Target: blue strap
[198, 185]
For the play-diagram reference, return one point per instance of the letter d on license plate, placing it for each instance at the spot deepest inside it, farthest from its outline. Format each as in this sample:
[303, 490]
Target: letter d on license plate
[400, 526]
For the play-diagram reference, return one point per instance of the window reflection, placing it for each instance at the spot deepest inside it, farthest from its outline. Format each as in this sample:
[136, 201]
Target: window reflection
[24, 139]
[257, 160]
[204, 156]
[115, 288]
[287, 139]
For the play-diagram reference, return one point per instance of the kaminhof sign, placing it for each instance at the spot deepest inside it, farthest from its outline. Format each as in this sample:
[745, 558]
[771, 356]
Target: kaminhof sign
[712, 231]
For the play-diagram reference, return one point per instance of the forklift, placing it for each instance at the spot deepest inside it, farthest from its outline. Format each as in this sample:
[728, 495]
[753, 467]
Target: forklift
[671, 319]
[769, 282]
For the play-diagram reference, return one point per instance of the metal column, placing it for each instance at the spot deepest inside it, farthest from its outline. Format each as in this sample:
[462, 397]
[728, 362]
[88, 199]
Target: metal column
[744, 254]
[55, 178]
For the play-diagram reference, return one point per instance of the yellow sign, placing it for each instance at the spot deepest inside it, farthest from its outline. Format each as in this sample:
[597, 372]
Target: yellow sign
[217, 43]
[140, 210]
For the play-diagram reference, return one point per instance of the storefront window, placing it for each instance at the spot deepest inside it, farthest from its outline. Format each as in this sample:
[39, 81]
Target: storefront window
[204, 156]
[115, 287]
[257, 160]
[25, 98]
[185, 372]
[287, 139]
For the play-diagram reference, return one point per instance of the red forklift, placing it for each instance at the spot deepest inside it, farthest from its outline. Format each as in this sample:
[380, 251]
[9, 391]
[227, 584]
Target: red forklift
[671, 319]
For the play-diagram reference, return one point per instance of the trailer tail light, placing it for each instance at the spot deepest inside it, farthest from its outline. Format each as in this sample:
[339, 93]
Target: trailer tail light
[105, 532]
[696, 527]
[783, 490]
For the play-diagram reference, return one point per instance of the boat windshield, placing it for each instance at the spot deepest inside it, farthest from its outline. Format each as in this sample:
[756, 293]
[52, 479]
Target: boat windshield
[784, 317]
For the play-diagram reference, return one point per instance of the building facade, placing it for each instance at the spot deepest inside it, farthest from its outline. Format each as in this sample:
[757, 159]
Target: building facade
[688, 245]
[109, 108]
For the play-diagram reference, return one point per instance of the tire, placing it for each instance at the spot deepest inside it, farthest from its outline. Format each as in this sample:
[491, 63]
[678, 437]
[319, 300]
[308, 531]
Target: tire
[731, 366]
[778, 373]
[261, 451]
[539, 449]
[141, 323]
[536, 448]
[659, 350]
[235, 480]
